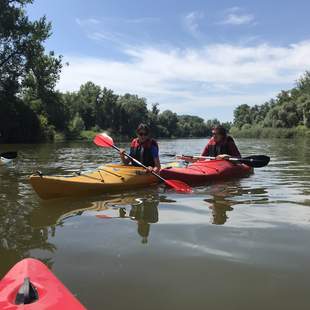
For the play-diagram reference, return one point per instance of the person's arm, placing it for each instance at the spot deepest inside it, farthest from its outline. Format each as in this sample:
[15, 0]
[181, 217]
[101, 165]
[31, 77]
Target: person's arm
[155, 154]
[157, 165]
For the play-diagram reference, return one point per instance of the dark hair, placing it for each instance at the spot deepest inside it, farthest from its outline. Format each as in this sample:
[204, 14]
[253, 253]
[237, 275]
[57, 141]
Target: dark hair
[220, 129]
[143, 127]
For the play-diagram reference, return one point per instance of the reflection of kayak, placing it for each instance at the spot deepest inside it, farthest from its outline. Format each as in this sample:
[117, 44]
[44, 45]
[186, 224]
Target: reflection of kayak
[205, 171]
[31, 285]
[107, 179]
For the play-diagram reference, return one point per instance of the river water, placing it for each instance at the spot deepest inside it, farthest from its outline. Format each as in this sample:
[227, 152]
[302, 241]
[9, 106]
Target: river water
[239, 244]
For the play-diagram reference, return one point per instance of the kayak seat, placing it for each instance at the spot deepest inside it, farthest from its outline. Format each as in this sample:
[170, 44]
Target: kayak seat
[27, 293]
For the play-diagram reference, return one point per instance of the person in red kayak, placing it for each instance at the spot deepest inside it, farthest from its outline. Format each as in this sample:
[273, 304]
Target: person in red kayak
[144, 149]
[221, 145]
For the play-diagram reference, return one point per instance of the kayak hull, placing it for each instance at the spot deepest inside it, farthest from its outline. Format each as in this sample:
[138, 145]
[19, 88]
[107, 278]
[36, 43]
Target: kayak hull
[52, 294]
[206, 171]
[107, 179]
[4, 161]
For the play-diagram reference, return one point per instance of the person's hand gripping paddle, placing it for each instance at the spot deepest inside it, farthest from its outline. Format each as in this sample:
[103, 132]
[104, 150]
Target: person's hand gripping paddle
[103, 140]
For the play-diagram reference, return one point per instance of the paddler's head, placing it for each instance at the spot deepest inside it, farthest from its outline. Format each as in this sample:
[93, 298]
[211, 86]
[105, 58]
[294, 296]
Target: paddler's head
[143, 132]
[219, 133]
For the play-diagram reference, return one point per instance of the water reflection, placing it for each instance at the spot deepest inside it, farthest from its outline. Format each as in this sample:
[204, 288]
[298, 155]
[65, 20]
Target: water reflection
[141, 209]
[18, 238]
[266, 220]
[222, 198]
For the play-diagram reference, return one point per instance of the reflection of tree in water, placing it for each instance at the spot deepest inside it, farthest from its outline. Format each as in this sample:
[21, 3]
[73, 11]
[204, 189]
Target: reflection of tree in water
[224, 196]
[18, 237]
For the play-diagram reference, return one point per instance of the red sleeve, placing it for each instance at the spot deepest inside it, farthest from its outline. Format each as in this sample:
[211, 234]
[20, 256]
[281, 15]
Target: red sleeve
[233, 150]
[134, 143]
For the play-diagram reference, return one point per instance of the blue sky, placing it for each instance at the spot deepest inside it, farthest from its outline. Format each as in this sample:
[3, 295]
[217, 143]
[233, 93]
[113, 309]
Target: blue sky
[196, 57]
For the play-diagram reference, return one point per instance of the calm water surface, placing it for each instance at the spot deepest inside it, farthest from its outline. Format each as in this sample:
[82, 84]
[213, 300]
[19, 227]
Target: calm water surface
[241, 244]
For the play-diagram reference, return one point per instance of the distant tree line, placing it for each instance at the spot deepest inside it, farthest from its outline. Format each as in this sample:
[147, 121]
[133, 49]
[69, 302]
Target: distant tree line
[32, 110]
[287, 115]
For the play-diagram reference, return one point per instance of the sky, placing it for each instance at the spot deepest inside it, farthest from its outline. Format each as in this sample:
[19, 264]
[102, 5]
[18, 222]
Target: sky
[196, 57]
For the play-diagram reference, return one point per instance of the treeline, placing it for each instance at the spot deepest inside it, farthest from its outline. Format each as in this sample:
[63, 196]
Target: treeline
[287, 115]
[93, 108]
[32, 110]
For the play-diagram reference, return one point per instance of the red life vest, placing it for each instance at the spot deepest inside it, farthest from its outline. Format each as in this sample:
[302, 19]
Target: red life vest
[143, 151]
[225, 147]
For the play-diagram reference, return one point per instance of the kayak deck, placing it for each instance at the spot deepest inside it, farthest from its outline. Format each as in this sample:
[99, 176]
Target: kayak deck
[107, 179]
[205, 171]
[47, 291]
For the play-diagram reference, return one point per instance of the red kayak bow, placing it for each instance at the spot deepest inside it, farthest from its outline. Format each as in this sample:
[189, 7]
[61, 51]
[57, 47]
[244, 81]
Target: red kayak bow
[31, 285]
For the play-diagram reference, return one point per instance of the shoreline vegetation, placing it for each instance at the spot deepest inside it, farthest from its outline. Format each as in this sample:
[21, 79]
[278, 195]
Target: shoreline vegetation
[286, 116]
[32, 110]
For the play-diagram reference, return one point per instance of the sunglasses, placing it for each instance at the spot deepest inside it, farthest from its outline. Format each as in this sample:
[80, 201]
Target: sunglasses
[142, 134]
[215, 133]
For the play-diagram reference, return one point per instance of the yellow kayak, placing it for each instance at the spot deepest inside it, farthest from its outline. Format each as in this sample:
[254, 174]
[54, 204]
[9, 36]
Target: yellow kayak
[107, 179]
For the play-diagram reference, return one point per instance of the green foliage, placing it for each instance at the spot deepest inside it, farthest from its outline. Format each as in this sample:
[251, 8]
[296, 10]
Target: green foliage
[76, 125]
[268, 132]
[31, 109]
[27, 76]
[283, 116]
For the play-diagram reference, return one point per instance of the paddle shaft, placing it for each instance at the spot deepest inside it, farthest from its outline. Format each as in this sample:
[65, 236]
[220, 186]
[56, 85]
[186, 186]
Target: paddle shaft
[138, 162]
[255, 161]
[205, 157]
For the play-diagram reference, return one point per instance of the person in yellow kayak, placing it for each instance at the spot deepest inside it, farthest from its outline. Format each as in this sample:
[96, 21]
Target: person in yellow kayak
[221, 145]
[144, 149]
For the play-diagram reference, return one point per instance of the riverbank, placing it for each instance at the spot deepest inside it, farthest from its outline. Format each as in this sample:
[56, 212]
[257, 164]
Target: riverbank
[251, 132]
[265, 132]
[89, 135]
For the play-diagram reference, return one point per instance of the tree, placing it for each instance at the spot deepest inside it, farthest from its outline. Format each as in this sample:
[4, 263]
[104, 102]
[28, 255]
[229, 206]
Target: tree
[169, 121]
[242, 115]
[87, 102]
[133, 112]
[24, 69]
[107, 110]
[153, 119]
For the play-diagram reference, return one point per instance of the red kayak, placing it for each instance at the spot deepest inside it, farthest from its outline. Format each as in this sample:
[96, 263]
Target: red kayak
[205, 171]
[31, 285]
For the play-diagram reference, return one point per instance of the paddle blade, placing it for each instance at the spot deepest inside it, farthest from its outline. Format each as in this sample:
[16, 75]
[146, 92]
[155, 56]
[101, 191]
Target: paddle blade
[103, 216]
[8, 155]
[256, 161]
[103, 140]
[179, 186]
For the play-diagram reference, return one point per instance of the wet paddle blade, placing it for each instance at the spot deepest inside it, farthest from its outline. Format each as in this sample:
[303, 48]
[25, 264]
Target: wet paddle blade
[103, 140]
[256, 161]
[103, 216]
[179, 186]
[8, 155]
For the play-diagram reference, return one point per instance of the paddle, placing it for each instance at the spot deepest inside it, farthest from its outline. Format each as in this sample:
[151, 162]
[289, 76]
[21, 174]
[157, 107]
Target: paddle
[8, 155]
[255, 161]
[104, 140]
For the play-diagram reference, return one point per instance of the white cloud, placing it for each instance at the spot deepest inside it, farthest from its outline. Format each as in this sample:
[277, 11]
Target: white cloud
[217, 74]
[87, 21]
[236, 16]
[142, 20]
[191, 22]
